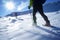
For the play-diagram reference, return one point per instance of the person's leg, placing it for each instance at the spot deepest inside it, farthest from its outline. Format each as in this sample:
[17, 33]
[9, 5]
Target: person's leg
[40, 9]
[34, 15]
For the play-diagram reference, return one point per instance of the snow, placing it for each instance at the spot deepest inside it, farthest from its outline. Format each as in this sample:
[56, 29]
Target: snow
[22, 29]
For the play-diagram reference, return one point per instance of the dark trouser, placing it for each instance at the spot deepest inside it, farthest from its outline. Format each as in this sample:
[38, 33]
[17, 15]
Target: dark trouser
[40, 9]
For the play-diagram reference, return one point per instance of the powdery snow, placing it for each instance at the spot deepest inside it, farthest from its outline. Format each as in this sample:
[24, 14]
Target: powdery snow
[22, 29]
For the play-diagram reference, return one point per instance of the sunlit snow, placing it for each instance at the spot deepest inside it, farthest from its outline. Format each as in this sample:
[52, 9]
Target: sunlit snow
[17, 29]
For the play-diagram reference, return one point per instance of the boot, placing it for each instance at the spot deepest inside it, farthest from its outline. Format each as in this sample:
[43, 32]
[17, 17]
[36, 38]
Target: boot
[47, 24]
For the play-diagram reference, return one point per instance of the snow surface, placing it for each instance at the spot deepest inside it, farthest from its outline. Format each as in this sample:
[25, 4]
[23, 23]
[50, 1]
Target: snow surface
[22, 29]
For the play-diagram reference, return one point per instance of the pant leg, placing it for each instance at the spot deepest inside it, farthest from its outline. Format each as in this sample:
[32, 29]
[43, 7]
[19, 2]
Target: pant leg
[40, 9]
[34, 14]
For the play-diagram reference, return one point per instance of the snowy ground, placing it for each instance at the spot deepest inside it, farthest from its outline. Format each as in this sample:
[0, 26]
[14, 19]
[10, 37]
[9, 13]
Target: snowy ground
[22, 29]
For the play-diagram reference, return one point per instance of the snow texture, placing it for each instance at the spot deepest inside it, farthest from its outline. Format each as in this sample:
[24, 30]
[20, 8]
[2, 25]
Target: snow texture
[22, 29]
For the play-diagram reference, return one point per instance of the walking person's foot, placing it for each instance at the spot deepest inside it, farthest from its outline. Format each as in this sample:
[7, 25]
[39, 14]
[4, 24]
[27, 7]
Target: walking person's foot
[34, 24]
[47, 24]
